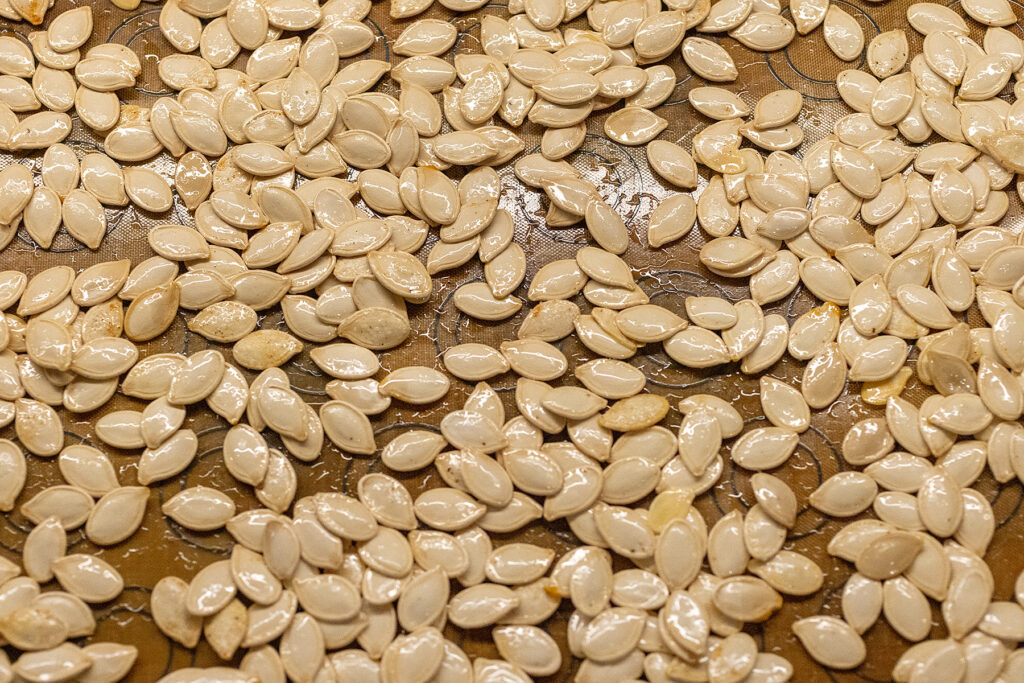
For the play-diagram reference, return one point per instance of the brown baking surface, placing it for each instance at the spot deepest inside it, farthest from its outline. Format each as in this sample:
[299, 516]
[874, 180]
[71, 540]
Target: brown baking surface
[669, 274]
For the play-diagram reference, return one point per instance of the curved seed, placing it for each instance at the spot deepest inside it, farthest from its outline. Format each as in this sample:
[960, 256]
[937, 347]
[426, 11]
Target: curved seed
[830, 641]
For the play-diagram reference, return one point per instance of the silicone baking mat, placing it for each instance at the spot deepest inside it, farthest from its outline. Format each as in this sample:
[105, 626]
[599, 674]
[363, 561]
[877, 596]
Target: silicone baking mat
[668, 275]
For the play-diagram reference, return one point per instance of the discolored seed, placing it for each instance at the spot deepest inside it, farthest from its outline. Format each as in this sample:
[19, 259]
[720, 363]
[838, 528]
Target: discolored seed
[635, 413]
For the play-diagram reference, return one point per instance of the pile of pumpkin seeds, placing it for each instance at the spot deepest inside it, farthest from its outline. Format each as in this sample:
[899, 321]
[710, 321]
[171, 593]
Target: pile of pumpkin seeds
[339, 588]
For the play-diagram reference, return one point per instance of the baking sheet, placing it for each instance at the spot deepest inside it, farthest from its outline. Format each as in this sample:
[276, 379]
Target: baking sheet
[668, 275]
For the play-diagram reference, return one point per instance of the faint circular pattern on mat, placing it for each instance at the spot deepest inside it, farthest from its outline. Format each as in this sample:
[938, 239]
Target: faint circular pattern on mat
[206, 469]
[451, 327]
[438, 323]
[307, 379]
[686, 80]
[15, 33]
[41, 473]
[809, 66]
[141, 32]
[182, 340]
[468, 34]
[815, 459]
[381, 48]
[130, 615]
[303, 374]
[1017, 7]
[670, 289]
[1005, 499]
[607, 164]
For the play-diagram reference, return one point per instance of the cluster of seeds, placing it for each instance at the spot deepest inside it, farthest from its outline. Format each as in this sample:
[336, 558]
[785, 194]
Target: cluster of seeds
[330, 587]
[32, 11]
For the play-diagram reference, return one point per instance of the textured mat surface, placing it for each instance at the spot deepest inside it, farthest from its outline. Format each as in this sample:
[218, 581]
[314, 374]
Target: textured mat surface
[668, 275]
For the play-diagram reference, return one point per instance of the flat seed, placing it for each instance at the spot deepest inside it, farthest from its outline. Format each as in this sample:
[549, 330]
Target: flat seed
[472, 430]
[69, 30]
[635, 413]
[940, 504]
[475, 362]
[845, 494]
[328, 597]
[534, 359]
[348, 428]
[880, 359]
[263, 349]
[634, 126]
[224, 321]
[991, 13]
[38, 427]
[147, 189]
[764, 448]
[892, 99]
[345, 361]
[117, 515]
[518, 563]
[87, 468]
[168, 459]
[906, 609]
[377, 328]
[830, 641]
[168, 606]
[482, 605]
[87, 577]
[61, 661]
[783, 405]
[415, 384]
[529, 648]
[648, 323]
[861, 602]
[709, 60]
[746, 598]
[697, 347]
[610, 379]
[573, 402]
[777, 109]
[790, 573]
[887, 53]
[345, 517]
[843, 34]
[699, 441]
[626, 482]
[813, 331]
[950, 189]
[44, 544]
[624, 531]
[121, 429]
[152, 312]
[200, 508]
[888, 555]
[532, 471]
[961, 413]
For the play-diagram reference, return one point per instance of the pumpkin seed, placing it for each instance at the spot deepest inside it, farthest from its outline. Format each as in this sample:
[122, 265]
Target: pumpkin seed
[117, 515]
[63, 660]
[843, 34]
[830, 641]
[709, 60]
[475, 362]
[87, 577]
